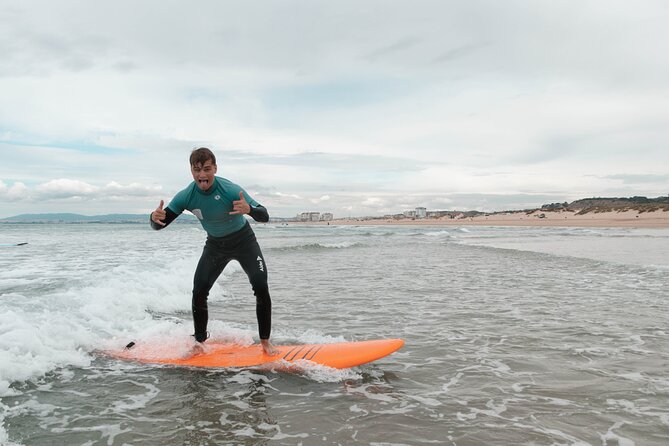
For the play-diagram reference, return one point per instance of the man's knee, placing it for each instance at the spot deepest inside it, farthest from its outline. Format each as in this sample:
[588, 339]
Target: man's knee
[261, 291]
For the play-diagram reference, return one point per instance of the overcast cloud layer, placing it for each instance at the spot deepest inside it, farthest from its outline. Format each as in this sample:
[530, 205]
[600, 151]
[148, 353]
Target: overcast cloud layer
[352, 107]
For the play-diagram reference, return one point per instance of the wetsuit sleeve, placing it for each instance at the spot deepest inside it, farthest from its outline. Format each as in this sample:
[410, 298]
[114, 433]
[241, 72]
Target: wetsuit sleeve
[259, 213]
[170, 216]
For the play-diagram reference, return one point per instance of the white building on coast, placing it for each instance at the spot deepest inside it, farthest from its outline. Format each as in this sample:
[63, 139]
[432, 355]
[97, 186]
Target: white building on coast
[421, 213]
[309, 216]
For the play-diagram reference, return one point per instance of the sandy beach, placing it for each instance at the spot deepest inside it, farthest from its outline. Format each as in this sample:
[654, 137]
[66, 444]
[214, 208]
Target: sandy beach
[610, 219]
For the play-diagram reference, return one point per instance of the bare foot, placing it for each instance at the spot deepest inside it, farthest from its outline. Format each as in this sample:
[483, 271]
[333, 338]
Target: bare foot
[268, 348]
[197, 349]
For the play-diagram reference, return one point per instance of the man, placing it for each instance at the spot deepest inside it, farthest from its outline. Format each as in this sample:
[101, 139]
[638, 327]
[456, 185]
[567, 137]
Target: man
[220, 205]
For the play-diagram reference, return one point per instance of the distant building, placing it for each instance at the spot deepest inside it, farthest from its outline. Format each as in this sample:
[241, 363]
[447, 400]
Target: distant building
[410, 214]
[327, 216]
[309, 216]
[421, 213]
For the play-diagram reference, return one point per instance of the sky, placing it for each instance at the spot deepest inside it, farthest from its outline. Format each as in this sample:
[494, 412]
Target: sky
[357, 108]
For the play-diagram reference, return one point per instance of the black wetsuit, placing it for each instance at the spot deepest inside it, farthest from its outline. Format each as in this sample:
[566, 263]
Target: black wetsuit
[240, 245]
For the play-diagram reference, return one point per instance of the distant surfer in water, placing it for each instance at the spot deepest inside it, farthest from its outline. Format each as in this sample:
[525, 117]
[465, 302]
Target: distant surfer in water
[220, 206]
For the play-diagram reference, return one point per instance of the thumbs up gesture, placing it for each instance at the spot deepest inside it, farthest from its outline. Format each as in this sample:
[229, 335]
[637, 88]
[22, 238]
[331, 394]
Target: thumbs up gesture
[240, 206]
[158, 215]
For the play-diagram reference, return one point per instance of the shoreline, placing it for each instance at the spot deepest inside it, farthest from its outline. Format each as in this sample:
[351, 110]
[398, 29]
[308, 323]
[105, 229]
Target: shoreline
[611, 219]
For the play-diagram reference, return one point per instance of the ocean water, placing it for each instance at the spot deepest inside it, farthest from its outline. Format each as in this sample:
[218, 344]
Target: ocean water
[535, 336]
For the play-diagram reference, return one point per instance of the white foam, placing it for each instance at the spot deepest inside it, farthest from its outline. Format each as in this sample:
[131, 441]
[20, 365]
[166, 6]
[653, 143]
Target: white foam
[4, 438]
[453, 381]
[373, 392]
[339, 245]
[31, 406]
[438, 234]
[281, 436]
[319, 245]
[41, 333]
[573, 441]
[634, 376]
[136, 401]
[286, 335]
[110, 431]
[245, 432]
[407, 408]
[321, 373]
[642, 412]
[356, 409]
[165, 339]
[611, 436]
[247, 377]
[425, 401]
[32, 344]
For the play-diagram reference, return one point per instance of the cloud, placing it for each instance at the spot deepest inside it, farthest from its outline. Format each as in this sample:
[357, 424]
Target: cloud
[374, 202]
[18, 191]
[400, 45]
[639, 178]
[65, 188]
[132, 189]
[68, 189]
[458, 52]
[321, 199]
[374, 107]
[42, 52]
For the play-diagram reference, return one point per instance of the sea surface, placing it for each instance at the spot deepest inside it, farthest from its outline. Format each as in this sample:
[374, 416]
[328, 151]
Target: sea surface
[532, 336]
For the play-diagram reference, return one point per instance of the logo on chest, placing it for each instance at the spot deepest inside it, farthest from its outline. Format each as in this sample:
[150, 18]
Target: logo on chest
[197, 213]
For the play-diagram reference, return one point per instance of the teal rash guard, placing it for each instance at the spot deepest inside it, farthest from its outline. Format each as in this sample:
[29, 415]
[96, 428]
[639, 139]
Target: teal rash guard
[213, 207]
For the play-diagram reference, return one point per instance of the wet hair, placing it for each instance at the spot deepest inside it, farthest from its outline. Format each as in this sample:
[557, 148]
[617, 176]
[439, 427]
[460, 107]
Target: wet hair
[201, 156]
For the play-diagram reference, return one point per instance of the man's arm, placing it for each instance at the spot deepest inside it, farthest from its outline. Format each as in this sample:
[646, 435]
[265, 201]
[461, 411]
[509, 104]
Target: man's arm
[241, 206]
[259, 213]
[162, 217]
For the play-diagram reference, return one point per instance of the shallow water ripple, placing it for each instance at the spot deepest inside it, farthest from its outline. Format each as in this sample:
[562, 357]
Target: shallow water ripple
[513, 336]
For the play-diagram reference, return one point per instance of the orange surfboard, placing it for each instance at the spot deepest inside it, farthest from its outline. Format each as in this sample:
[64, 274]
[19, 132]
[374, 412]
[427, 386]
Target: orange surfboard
[338, 355]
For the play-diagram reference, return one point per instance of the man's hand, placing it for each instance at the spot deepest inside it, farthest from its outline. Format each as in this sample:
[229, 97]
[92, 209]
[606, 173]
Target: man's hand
[240, 206]
[158, 215]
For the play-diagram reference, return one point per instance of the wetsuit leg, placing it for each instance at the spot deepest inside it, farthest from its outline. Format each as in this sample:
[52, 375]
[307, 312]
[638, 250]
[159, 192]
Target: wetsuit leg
[252, 261]
[209, 267]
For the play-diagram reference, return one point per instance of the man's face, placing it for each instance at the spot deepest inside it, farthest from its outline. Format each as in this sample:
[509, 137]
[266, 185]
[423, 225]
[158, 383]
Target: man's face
[203, 174]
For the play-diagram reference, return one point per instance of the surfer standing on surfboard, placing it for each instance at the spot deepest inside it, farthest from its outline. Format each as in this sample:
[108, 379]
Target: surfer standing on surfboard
[220, 206]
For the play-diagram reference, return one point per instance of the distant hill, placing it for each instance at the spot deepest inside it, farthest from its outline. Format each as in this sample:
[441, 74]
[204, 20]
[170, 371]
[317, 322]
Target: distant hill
[78, 218]
[599, 204]
[616, 202]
